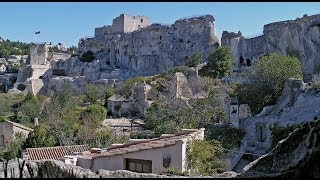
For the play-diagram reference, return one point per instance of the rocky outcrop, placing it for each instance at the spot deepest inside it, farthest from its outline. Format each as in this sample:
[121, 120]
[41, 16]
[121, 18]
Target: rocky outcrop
[290, 93]
[296, 105]
[148, 51]
[297, 156]
[58, 169]
[300, 38]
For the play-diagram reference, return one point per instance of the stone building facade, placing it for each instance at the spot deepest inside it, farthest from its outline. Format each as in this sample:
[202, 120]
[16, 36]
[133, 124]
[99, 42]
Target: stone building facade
[8, 130]
[123, 24]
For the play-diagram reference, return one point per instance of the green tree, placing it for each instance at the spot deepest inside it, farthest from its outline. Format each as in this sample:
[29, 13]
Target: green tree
[40, 137]
[268, 77]
[30, 108]
[87, 56]
[15, 147]
[194, 60]
[204, 157]
[219, 63]
[96, 111]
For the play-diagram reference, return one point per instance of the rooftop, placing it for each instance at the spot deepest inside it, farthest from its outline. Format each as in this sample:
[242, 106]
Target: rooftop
[19, 125]
[163, 141]
[56, 152]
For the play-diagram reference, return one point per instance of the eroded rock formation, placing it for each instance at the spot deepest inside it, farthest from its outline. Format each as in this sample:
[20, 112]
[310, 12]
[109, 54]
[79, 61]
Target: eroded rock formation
[297, 156]
[299, 37]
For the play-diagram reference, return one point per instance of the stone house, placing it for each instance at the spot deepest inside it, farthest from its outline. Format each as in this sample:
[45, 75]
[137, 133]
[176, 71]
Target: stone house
[143, 155]
[135, 105]
[8, 130]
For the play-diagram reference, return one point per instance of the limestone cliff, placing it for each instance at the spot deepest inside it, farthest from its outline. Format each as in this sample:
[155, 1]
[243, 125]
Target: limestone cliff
[147, 51]
[297, 156]
[299, 37]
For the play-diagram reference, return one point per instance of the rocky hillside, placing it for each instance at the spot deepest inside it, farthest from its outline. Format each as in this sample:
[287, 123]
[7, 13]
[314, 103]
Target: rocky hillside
[296, 156]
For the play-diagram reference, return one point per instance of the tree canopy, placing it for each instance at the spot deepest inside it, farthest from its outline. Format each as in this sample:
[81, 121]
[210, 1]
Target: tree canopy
[219, 63]
[267, 79]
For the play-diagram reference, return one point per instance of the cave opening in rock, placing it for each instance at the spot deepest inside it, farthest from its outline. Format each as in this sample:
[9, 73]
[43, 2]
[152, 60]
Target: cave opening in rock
[248, 62]
[241, 60]
[21, 87]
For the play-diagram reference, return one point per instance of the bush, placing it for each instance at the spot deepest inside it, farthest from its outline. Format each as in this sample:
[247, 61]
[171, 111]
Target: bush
[278, 133]
[316, 85]
[219, 63]
[40, 137]
[267, 79]
[194, 60]
[204, 157]
[87, 56]
[227, 135]
[96, 111]
[176, 171]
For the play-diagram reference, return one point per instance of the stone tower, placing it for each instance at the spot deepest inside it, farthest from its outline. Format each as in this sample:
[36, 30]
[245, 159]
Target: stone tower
[234, 111]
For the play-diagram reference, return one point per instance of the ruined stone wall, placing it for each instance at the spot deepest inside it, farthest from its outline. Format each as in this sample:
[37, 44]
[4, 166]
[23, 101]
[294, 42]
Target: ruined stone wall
[133, 23]
[38, 54]
[227, 36]
[123, 24]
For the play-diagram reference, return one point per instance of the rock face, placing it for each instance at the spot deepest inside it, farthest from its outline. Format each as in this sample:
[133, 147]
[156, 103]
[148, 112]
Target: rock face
[295, 106]
[58, 169]
[297, 156]
[147, 51]
[300, 38]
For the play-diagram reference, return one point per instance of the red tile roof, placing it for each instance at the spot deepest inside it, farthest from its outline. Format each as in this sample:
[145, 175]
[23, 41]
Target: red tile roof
[56, 152]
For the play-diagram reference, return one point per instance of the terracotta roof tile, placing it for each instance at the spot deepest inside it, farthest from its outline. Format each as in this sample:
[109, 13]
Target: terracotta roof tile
[56, 152]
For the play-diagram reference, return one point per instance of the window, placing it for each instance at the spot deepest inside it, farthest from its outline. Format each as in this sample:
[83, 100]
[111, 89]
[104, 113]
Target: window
[142, 20]
[138, 165]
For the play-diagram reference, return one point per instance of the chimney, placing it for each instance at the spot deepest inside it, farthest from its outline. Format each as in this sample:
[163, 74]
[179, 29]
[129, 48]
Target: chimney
[36, 121]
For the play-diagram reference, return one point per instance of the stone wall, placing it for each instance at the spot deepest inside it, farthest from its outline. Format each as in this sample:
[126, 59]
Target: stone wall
[123, 24]
[227, 36]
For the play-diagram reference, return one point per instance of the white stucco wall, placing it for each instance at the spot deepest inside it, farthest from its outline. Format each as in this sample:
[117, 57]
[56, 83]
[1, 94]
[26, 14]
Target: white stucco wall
[117, 162]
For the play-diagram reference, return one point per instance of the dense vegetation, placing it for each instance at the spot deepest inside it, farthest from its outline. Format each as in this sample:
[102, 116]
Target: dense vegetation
[87, 56]
[194, 60]
[268, 77]
[278, 133]
[204, 157]
[219, 63]
[8, 48]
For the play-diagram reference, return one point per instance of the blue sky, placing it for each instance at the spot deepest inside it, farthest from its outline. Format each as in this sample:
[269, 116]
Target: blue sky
[67, 22]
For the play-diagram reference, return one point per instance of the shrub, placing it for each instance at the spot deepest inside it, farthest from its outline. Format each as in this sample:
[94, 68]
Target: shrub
[278, 133]
[219, 63]
[87, 56]
[176, 171]
[96, 111]
[204, 157]
[194, 60]
[267, 79]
